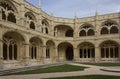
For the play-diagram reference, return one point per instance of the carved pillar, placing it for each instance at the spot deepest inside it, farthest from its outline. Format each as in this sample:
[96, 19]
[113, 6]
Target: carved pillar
[56, 32]
[56, 54]
[97, 54]
[12, 51]
[44, 53]
[76, 54]
[8, 52]
[26, 51]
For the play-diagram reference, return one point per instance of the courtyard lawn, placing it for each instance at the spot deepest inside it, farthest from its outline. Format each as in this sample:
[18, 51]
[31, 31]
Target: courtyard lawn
[53, 69]
[104, 64]
[90, 77]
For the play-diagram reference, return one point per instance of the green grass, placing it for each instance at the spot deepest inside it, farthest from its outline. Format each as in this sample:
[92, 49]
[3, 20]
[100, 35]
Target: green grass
[60, 68]
[90, 77]
[105, 64]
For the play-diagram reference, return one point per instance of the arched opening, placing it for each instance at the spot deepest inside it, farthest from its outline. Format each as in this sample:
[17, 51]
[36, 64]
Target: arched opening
[65, 51]
[86, 50]
[69, 33]
[45, 26]
[11, 17]
[3, 15]
[46, 30]
[69, 53]
[82, 33]
[90, 32]
[8, 11]
[50, 50]
[104, 30]
[86, 30]
[109, 49]
[30, 20]
[109, 27]
[11, 44]
[35, 48]
[113, 30]
[32, 25]
[64, 31]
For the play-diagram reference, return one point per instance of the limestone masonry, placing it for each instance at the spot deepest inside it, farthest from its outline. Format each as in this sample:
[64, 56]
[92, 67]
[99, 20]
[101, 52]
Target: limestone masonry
[29, 36]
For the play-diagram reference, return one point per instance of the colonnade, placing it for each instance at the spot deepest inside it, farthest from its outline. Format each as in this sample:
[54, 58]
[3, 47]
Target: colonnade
[87, 53]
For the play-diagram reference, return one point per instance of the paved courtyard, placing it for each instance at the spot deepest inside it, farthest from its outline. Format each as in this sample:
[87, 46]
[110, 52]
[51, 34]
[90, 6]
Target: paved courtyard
[92, 70]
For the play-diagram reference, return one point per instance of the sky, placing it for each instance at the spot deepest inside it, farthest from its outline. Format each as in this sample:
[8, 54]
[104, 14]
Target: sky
[80, 8]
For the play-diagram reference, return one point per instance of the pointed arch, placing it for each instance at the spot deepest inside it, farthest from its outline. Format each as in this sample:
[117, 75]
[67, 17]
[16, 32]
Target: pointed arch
[90, 32]
[9, 11]
[82, 33]
[113, 30]
[104, 30]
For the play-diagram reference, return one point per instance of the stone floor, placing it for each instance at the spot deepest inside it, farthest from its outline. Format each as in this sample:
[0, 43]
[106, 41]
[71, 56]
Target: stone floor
[92, 70]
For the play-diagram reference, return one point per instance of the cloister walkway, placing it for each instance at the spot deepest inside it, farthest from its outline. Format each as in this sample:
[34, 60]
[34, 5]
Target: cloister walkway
[92, 70]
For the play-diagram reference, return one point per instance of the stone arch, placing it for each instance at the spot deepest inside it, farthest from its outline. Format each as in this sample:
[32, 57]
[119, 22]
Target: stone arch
[109, 27]
[45, 25]
[86, 30]
[50, 49]
[12, 42]
[64, 31]
[19, 33]
[30, 15]
[31, 19]
[9, 11]
[65, 51]
[69, 33]
[35, 47]
[90, 32]
[86, 50]
[109, 50]
[113, 30]
[11, 5]
[104, 30]
[82, 33]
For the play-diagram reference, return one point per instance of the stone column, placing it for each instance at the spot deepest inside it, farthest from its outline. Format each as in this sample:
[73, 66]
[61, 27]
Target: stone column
[76, 54]
[12, 51]
[26, 51]
[56, 54]
[97, 54]
[8, 52]
[1, 54]
[44, 53]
